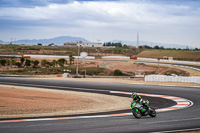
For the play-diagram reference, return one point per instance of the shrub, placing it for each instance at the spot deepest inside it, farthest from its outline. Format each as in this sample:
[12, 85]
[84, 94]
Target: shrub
[28, 62]
[18, 64]
[3, 62]
[117, 72]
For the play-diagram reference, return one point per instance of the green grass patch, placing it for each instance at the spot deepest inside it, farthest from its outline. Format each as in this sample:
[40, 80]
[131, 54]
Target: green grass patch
[176, 54]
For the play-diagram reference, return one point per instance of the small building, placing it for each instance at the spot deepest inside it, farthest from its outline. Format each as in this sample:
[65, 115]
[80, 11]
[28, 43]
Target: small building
[70, 44]
[167, 58]
[83, 44]
[89, 44]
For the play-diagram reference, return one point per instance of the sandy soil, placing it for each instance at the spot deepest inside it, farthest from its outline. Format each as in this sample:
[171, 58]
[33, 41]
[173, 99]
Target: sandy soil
[30, 102]
[191, 132]
[192, 72]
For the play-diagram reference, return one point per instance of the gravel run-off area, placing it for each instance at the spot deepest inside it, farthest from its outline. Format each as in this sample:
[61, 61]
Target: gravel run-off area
[33, 102]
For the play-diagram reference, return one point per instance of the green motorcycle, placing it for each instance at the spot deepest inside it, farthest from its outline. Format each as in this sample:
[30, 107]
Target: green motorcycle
[139, 109]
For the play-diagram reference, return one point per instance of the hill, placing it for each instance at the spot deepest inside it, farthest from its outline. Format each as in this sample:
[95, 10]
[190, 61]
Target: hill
[57, 40]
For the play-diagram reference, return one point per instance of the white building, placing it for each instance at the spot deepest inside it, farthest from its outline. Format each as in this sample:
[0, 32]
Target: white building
[83, 44]
[89, 44]
[70, 44]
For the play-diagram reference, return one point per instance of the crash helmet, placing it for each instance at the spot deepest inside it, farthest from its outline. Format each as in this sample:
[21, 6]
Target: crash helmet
[134, 95]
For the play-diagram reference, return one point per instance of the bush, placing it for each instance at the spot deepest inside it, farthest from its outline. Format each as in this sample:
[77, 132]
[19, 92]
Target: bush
[118, 73]
[3, 62]
[28, 62]
[18, 64]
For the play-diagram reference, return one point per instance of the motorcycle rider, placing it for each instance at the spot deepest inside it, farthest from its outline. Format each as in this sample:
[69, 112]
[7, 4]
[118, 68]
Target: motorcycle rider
[138, 99]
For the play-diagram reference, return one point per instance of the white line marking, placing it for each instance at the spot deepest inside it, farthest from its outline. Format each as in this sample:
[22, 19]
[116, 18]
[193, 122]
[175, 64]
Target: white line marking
[137, 83]
[179, 100]
[163, 110]
[180, 105]
[174, 120]
[171, 97]
[173, 131]
[32, 85]
[119, 92]
[95, 116]
[196, 86]
[182, 102]
[42, 119]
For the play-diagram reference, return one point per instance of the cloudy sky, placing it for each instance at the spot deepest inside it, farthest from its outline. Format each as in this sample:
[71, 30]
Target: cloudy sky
[162, 21]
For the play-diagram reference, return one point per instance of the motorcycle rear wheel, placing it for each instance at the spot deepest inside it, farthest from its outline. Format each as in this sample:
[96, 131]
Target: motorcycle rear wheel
[137, 114]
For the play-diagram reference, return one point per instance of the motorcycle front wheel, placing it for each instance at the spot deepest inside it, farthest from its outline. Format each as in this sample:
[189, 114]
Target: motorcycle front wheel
[152, 112]
[137, 114]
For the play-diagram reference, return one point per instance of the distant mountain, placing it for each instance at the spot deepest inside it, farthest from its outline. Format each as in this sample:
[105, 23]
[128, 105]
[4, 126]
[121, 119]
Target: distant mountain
[152, 44]
[57, 40]
[1, 42]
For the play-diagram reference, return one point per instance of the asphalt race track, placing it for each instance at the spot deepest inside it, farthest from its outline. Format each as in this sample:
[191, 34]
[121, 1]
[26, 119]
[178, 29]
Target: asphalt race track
[169, 121]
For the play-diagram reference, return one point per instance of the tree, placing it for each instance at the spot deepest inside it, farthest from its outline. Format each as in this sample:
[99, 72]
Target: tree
[8, 62]
[18, 64]
[3, 62]
[51, 44]
[119, 44]
[49, 64]
[147, 47]
[55, 62]
[13, 62]
[162, 47]
[35, 63]
[140, 47]
[43, 62]
[71, 59]
[125, 46]
[27, 62]
[156, 47]
[22, 60]
[61, 62]
[109, 44]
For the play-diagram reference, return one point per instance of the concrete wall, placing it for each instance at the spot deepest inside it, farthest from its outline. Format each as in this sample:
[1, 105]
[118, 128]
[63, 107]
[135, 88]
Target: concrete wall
[164, 78]
[56, 56]
[115, 57]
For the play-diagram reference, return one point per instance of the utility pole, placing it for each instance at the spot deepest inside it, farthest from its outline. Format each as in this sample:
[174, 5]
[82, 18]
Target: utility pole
[138, 39]
[11, 40]
[77, 63]
[137, 47]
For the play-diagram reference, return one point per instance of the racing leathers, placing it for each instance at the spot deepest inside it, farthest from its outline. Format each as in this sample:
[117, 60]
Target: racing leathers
[139, 100]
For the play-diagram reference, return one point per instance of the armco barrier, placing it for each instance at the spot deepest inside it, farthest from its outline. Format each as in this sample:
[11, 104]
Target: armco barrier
[170, 61]
[164, 78]
[115, 57]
